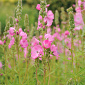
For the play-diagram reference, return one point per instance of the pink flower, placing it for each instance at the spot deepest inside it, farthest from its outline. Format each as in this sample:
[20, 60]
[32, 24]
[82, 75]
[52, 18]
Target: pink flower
[25, 52]
[1, 43]
[39, 23]
[78, 27]
[36, 51]
[69, 58]
[40, 36]
[79, 2]
[9, 37]
[9, 65]
[78, 18]
[38, 7]
[20, 30]
[23, 34]
[0, 65]
[67, 32]
[35, 41]
[11, 42]
[58, 29]
[49, 37]
[23, 43]
[46, 44]
[47, 5]
[49, 31]
[11, 31]
[53, 48]
[49, 18]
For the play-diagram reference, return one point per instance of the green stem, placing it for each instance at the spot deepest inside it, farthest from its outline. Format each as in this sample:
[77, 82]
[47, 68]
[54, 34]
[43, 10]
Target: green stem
[5, 66]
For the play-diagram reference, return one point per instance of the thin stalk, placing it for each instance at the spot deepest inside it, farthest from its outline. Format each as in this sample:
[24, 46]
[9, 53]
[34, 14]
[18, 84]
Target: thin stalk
[5, 66]
[49, 72]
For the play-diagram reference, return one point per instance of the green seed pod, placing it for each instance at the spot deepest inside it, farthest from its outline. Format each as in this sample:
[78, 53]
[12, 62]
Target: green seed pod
[11, 21]
[43, 8]
[26, 22]
[56, 17]
[32, 31]
[19, 9]
[0, 28]
[7, 26]
[63, 14]
[71, 18]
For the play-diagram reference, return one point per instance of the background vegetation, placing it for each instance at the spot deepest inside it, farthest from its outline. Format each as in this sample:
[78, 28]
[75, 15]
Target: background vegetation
[7, 8]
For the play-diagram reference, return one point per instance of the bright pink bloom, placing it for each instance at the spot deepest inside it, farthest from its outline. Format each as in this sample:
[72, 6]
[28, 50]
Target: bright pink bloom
[50, 15]
[23, 43]
[54, 49]
[35, 41]
[1, 43]
[47, 5]
[49, 31]
[38, 7]
[67, 32]
[46, 44]
[11, 42]
[23, 34]
[40, 36]
[0, 65]
[78, 18]
[49, 37]
[79, 2]
[49, 18]
[20, 30]
[36, 51]
[58, 29]
[11, 31]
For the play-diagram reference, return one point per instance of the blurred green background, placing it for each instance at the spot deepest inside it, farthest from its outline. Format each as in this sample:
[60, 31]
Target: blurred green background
[7, 8]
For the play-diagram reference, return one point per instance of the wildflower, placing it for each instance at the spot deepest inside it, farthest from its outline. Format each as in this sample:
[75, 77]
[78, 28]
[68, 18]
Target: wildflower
[38, 7]
[0, 65]
[23, 34]
[35, 41]
[11, 31]
[67, 32]
[11, 42]
[46, 44]
[36, 51]
[1, 43]
[49, 18]
[23, 43]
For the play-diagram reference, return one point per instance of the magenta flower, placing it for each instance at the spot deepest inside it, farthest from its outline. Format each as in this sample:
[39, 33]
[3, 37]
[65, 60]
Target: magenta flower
[0, 65]
[23, 43]
[49, 37]
[11, 42]
[36, 51]
[23, 34]
[11, 31]
[67, 32]
[46, 44]
[54, 49]
[38, 7]
[79, 2]
[1, 43]
[20, 30]
[35, 41]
